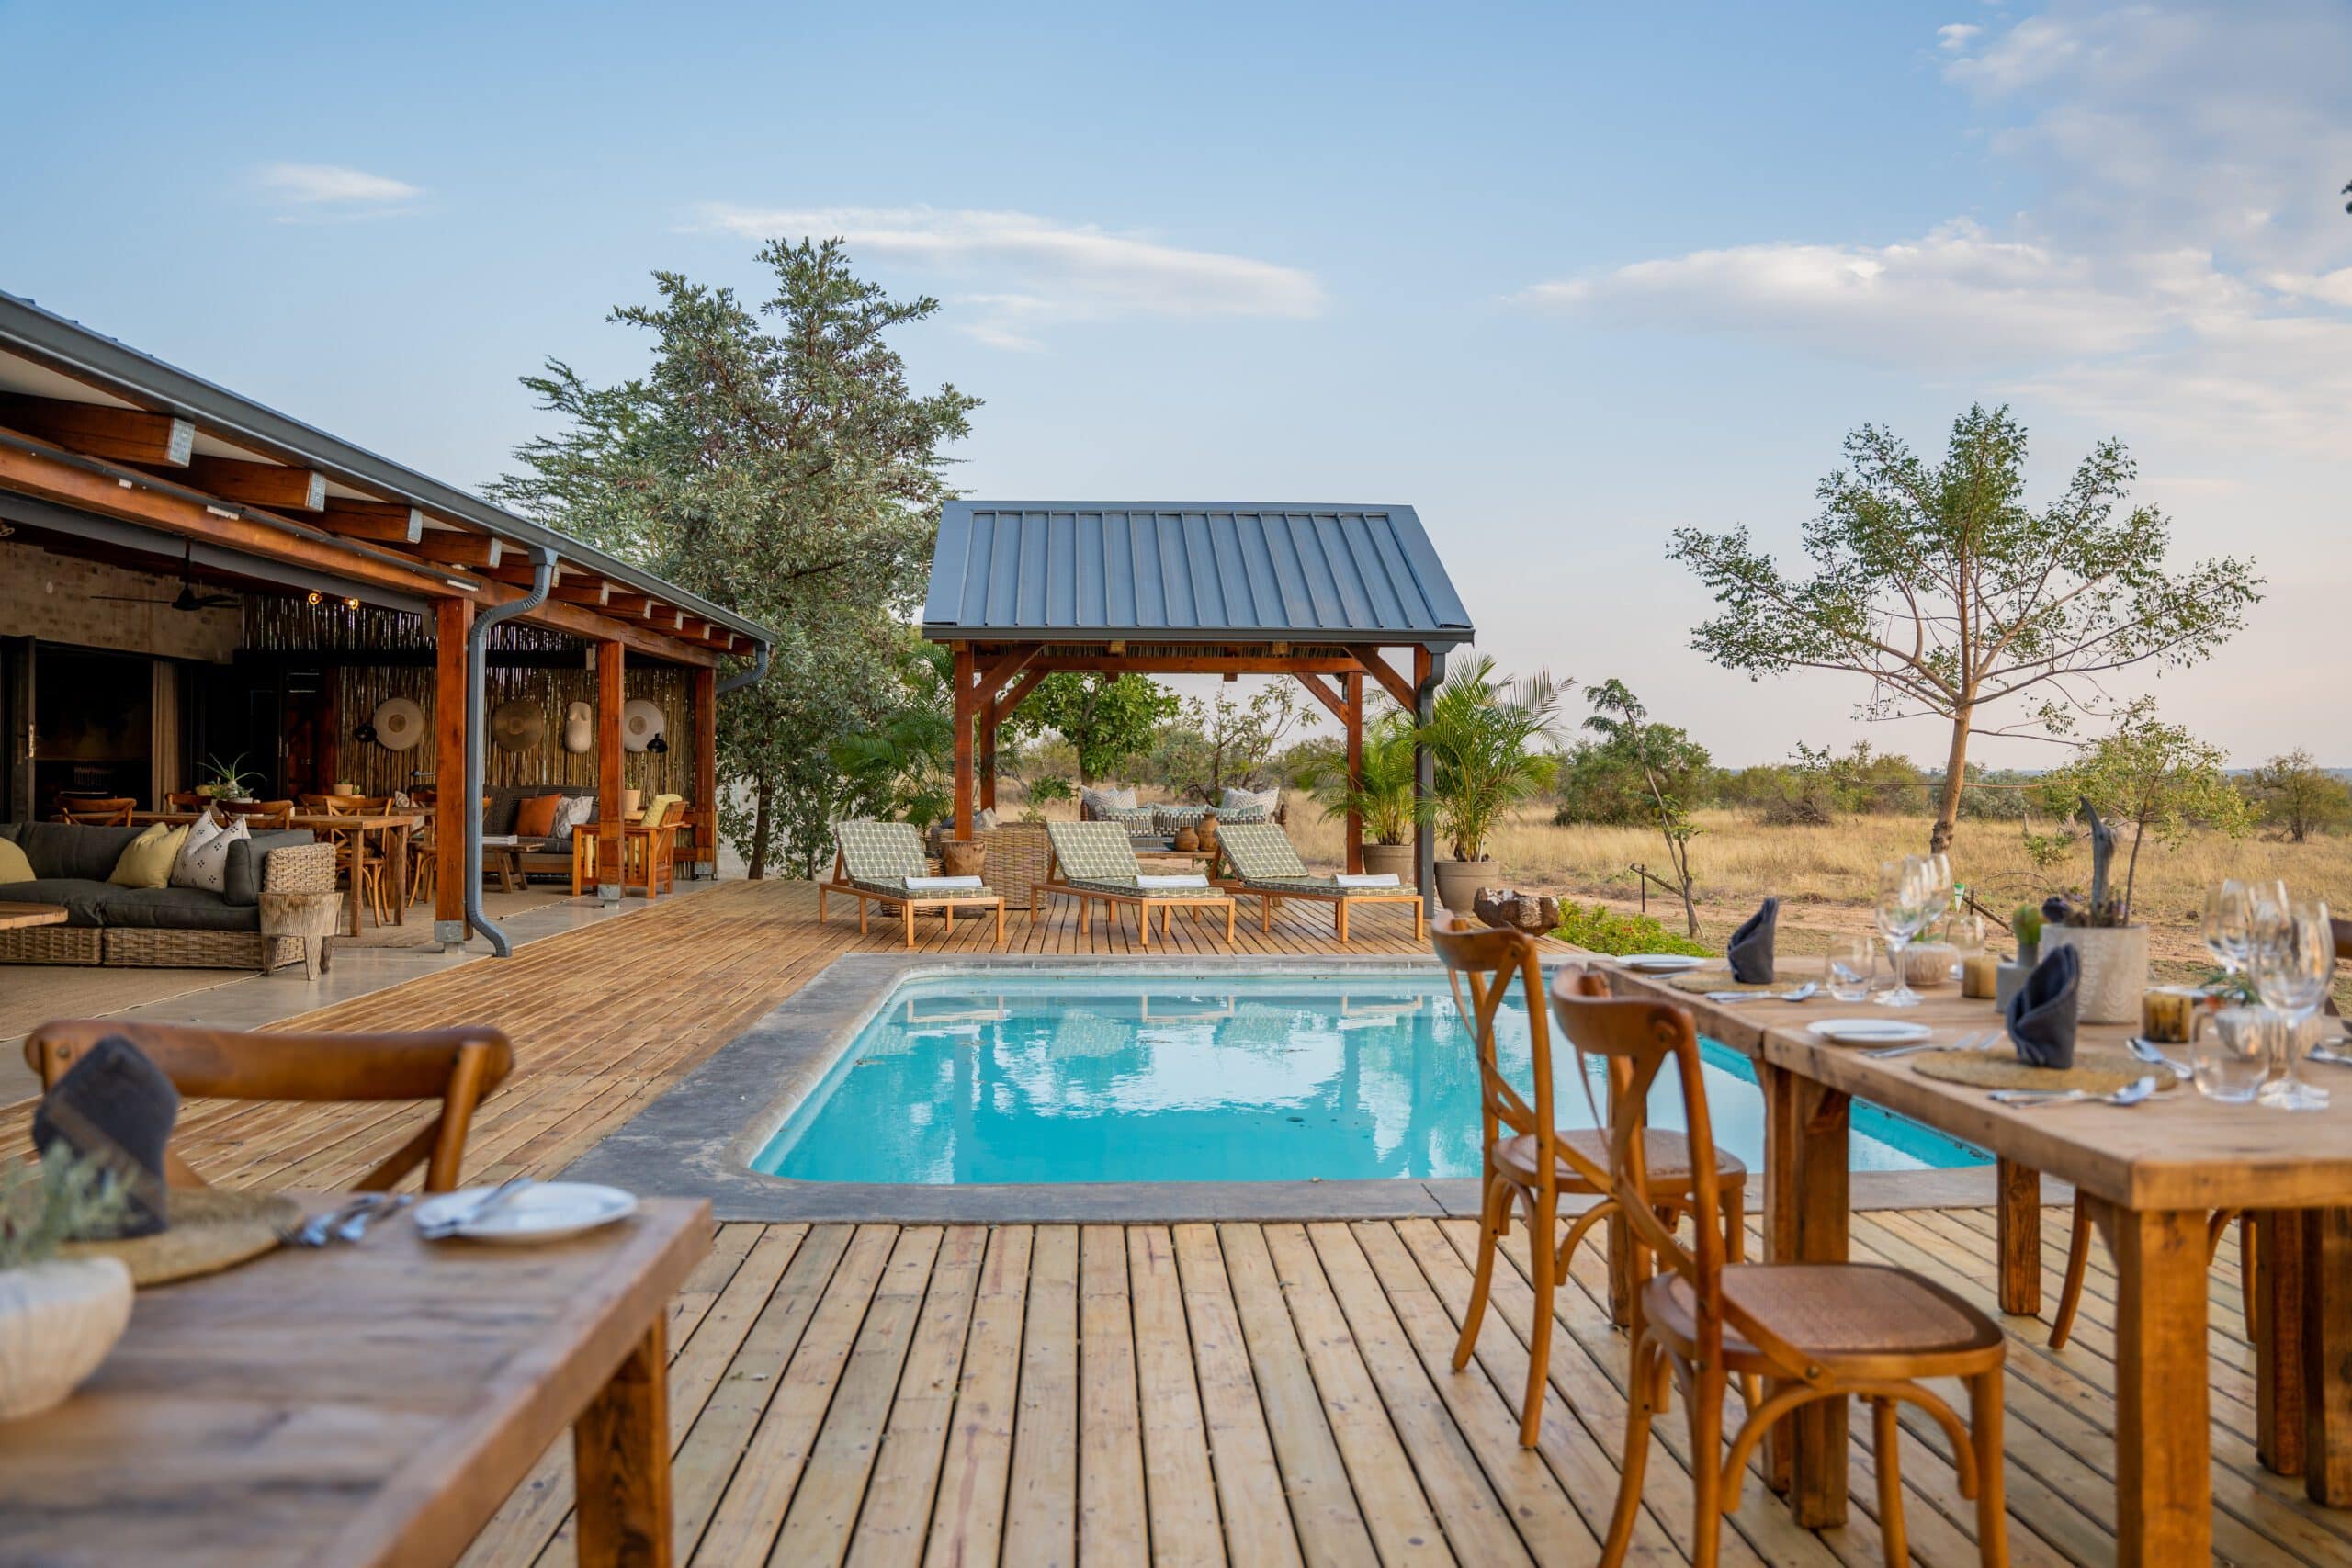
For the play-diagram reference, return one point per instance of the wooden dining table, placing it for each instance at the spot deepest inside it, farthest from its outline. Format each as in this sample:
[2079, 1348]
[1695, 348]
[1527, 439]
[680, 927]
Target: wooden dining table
[2155, 1173]
[369, 1403]
[395, 826]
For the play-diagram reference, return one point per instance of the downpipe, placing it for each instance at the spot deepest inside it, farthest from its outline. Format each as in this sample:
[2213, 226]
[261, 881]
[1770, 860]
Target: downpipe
[477, 657]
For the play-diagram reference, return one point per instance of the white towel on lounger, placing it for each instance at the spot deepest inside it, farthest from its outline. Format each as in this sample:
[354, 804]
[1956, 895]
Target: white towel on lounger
[1365, 879]
[1180, 879]
[943, 883]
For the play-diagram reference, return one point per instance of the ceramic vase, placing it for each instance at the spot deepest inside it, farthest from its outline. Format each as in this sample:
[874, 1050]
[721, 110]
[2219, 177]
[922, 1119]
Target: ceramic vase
[58, 1320]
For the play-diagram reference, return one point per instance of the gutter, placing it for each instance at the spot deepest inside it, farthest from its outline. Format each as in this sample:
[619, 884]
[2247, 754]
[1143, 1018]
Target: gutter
[477, 660]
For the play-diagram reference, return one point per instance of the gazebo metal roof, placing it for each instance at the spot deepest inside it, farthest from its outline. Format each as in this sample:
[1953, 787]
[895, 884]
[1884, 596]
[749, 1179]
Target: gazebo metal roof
[1007, 571]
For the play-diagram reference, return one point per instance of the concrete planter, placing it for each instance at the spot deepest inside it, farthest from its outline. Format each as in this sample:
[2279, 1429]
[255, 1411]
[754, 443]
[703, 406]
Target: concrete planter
[1458, 882]
[1394, 859]
[2115, 969]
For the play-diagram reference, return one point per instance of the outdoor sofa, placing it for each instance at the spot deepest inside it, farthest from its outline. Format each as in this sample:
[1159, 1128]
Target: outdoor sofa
[1095, 861]
[1267, 864]
[157, 927]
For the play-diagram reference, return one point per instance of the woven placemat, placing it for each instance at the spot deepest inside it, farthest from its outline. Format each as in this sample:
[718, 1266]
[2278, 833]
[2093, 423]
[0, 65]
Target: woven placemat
[2098, 1069]
[211, 1229]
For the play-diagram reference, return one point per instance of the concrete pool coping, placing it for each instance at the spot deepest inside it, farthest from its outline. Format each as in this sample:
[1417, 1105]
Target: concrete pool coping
[698, 1138]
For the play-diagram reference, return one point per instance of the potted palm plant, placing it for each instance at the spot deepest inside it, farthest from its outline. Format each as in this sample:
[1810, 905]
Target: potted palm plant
[1492, 743]
[1382, 795]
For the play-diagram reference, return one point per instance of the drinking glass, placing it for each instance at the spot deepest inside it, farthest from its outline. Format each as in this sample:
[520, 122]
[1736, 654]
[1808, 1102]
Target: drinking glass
[1965, 931]
[2229, 1053]
[1847, 969]
[2229, 920]
[2292, 959]
[1907, 901]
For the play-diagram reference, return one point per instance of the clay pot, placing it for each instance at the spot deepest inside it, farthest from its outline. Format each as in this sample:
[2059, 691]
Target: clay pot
[963, 857]
[1187, 839]
[58, 1320]
[1205, 835]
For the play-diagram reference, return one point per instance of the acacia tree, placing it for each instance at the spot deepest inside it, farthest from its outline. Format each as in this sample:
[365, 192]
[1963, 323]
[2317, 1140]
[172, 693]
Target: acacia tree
[1658, 754]
[1225, 741]
[1106, 718]
[782, 468]
[2299, 796]
[2155, 778]
[1954, 598]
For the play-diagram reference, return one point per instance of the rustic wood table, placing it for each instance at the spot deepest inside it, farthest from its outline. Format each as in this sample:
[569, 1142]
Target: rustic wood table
[2155, 1173]
[395, 826]
[15, 916]
[368, 1404]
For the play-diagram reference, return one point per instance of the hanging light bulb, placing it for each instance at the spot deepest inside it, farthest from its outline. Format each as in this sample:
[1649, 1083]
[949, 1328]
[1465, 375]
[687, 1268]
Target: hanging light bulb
[316, 596]
[351, 604]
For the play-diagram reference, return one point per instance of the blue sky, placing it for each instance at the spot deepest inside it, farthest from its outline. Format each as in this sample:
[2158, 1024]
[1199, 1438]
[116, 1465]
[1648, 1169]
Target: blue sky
[1562, 278]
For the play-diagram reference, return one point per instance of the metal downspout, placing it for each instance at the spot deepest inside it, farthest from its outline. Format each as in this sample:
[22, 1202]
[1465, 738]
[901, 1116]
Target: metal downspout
[742, 678]
[477, 647]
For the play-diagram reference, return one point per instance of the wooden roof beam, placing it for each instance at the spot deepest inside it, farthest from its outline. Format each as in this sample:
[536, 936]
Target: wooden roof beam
[376, 521]
[475, 552]
[120, 435]
[1324, 695]
[272, 485]
[596, 593]
[1380, 670]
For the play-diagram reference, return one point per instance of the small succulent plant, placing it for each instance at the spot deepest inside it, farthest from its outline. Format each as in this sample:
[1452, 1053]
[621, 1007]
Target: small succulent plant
[2102, 909]
[2025, 925]
[44, 1205]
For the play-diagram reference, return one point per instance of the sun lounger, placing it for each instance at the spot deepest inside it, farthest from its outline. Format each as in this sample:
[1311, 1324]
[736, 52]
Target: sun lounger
[883, 862]
[1269, 866]
[1095, 861]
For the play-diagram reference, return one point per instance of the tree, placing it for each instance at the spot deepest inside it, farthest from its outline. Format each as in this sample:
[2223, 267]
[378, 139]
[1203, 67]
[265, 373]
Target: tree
[2156, 779]
[1223, 742]
[1657, 752]
[1953, 597]
[1606, 779]
[2299, 796]
[1382, 793]
[1106, 719]
[1488, 744]
[786, 471]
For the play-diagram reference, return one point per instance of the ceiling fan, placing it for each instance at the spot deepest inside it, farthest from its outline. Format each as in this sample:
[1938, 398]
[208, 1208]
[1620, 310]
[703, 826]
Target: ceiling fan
[186, 599]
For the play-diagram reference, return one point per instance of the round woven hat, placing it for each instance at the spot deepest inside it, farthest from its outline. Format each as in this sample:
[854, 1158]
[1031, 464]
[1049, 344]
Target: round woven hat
[400, 724]
[2098, 1069]
[640, 722]
[518, 726]
[211, 1229]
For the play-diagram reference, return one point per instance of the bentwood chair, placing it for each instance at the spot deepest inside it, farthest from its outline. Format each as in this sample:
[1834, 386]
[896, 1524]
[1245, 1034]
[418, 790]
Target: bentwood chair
[85, 812]
[1531, 1161]
[460, 1067]
[1817, 1331]
[2217, 1225]
[260, 813]
[187, 800]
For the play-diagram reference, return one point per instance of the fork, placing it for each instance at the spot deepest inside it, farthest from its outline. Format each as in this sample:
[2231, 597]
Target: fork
[322, 1228]
[1965, 1042]
[2132, 1093]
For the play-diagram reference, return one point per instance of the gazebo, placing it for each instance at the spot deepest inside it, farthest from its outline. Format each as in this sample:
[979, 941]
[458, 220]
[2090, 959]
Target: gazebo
[1330, 595]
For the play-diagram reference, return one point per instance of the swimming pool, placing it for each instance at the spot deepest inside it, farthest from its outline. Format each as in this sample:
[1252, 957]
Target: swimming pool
[1049, 1077]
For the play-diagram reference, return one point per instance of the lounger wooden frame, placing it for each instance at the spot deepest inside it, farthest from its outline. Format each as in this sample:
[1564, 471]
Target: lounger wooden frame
[908, 905]
[1340, 899]
[1167, 901]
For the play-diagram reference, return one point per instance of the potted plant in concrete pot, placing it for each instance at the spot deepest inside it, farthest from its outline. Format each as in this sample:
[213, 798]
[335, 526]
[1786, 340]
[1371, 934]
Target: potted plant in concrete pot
[1491, 742]
[1382, 796]
[2113, 951]
[59, 1317]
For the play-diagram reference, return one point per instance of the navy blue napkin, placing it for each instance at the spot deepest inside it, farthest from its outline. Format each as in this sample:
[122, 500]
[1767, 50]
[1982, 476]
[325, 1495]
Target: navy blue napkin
[115, 1107]
[2042, 1015]
[1751, 946]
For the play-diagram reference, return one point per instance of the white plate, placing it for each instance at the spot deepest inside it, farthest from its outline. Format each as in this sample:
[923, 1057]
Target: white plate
[1660, 962]
[1871, 1031]
[541, 1211]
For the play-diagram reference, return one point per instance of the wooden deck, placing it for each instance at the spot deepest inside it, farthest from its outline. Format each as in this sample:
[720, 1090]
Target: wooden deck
[1043, 1394]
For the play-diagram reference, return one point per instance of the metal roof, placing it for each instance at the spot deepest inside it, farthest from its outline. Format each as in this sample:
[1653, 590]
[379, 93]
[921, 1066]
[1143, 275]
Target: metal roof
[1189, 571]
[116, 368]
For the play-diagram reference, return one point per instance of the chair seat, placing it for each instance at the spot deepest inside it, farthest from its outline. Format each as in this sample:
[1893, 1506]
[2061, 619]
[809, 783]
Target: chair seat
[1832, 1313]
[1668, 1154]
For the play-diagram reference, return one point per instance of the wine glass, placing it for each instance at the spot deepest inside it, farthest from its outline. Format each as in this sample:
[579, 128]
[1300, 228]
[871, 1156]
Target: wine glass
[1906, 903]
[2229, 920]
[2293, 958]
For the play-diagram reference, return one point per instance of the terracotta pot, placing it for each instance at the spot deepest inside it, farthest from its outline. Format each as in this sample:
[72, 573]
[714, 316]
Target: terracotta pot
[1185, 838]
[58, 1320]
[2115, 969]
[1392, 857]
[1458, 882]
[630, 800]
[963, 857]
[1204, 836]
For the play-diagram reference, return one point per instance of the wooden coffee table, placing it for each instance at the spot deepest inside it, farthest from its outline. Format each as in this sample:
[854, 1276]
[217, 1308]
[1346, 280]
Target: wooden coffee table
[503, 858]
[14, 917]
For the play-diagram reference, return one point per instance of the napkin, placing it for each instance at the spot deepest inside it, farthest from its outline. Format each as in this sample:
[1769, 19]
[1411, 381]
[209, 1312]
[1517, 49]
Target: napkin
[2042, 1015]
[115, 1107]
[1751, 946]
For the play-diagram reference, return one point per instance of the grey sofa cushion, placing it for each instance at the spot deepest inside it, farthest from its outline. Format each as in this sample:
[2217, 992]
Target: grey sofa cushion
[79, 896]
[248, 864]
[64, 850]
[175, 909]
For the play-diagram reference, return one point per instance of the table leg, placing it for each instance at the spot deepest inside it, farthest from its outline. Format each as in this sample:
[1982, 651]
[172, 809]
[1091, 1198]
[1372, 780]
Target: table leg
[2163, 1485]
[2327, 1355]
[351, 903]
[1805, 1217]
[2018, 1229]
[400, 876]
[2278, 1339]
[620, 1457]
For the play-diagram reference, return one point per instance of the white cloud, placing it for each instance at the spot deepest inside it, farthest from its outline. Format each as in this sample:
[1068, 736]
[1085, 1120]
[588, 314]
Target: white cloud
[2187, 268]
[1027, 273]
[326, 190]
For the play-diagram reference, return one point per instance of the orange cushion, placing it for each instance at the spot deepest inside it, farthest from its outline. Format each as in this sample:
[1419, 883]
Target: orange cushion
[535, 817]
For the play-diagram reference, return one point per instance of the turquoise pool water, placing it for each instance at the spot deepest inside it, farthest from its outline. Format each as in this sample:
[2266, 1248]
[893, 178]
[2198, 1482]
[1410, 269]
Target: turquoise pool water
[1046, 1077]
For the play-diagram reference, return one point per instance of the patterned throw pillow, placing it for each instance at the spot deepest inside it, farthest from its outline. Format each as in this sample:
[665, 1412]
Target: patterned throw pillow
[1226, 816]
[576, 812]
[1102, 802]
[203, 862]
[1260, 800]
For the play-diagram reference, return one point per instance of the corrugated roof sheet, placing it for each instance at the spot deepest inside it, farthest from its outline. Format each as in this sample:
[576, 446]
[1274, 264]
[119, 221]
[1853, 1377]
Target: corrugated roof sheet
[1189, 571]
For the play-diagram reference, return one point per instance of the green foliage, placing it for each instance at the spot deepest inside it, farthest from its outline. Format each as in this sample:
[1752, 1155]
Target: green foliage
[1943, 588]
[1486, 741]
[228, 780]
[1051, 788]
[2158, 781]
[2299, 797]
[1604, 929]
[2026, 924]
[1383, 794]
[1605, 775]
[782, 468]
[1821, 786]
[63, 1197]
[1106, 719]
[1225, 741]
[1655, 751]
[905, 766]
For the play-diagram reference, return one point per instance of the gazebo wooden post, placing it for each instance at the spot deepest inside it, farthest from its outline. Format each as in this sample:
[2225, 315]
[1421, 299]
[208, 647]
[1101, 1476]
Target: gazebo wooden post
[1351, 690]
[706, 696]
[1428, 670]
[452, 619]
[612, 810]
[964, 706]
[989, 718]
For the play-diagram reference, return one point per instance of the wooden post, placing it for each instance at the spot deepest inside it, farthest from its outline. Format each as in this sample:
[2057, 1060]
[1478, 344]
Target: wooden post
[2017, 1229]
[705, 694]
[963, 743]
[1351, 698]
[2164, 1483]
[1429, 669]
[452, 620]
[2277, 1330]
[620, 1460]
[989, 719]
[612, 812]
[2327, 1354]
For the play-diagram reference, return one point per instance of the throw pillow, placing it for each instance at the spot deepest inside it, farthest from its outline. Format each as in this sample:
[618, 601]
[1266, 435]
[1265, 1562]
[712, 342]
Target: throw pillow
[13, 866]
[1246, 800]
[1100, 801]
[535, 816]
[145, 862]
[206, 865]
[577, 811]
[658, 810]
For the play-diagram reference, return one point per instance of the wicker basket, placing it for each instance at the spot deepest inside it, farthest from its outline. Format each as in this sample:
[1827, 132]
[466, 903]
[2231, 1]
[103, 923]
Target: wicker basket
[50, 944]
[1018, 856]
[139, 947]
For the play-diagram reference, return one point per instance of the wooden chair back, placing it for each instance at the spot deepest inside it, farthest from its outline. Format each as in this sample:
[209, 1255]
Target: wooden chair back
[460, 1067]
[113, 812]
[1482, 961]
[261, 813]
[187, 800]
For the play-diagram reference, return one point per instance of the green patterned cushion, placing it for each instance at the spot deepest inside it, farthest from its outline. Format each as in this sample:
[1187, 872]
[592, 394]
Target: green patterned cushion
[1261, 852]
[1097, 852]
[880, 852]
